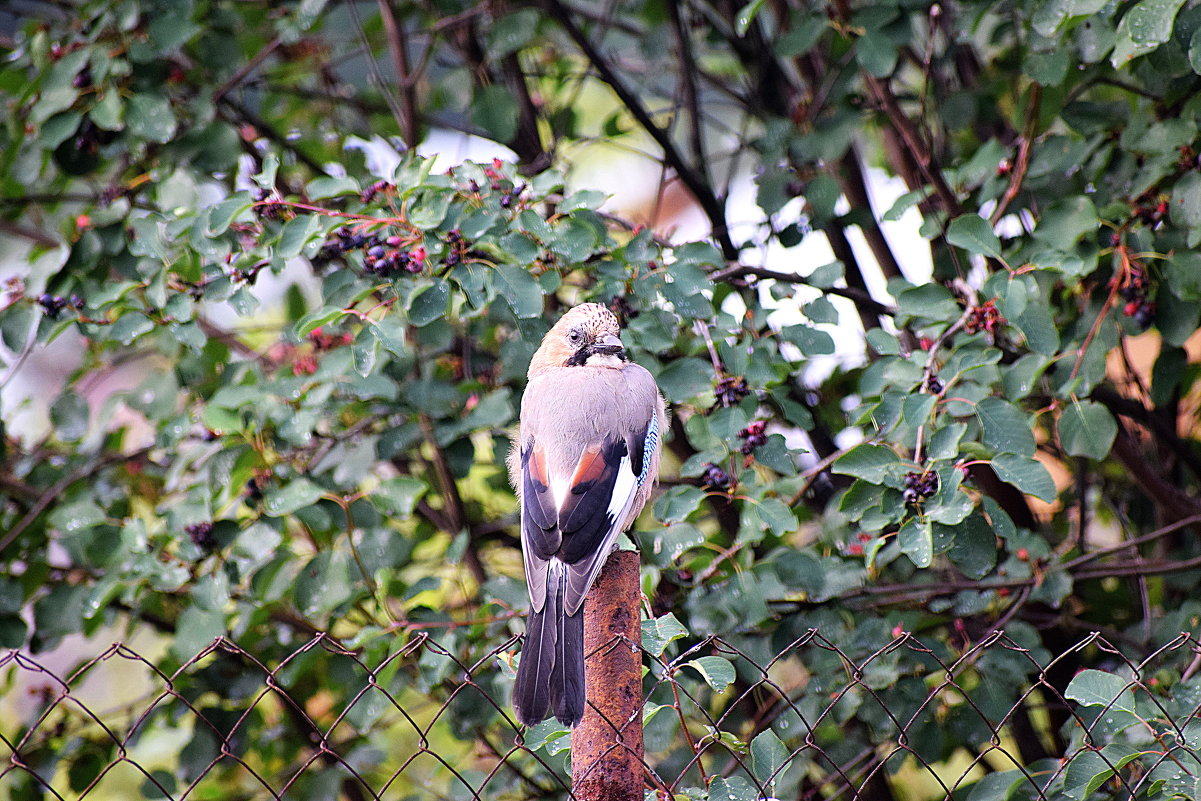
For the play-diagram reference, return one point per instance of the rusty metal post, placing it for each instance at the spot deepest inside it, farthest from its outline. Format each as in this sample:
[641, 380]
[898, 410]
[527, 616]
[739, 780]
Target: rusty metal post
[606, 746]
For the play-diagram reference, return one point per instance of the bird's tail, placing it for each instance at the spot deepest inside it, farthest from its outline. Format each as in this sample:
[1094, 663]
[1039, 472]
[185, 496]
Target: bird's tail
[550, 678]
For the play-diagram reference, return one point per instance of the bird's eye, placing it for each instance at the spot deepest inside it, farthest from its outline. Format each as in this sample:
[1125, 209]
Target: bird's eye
[574, 337]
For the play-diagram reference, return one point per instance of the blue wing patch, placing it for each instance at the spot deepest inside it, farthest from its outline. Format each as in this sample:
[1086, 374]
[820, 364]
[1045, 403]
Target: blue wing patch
[648, 447]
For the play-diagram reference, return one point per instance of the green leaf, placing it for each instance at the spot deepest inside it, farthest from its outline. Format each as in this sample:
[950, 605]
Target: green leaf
[519, 289]
[130, 327]
[684, 379]
[1026, 474]
[974, 234]
[1185, 206]
[70, 414]
[1144, 28]
[323, 584]
[733, 788]
[870, 462]
[315, 319]
[768, 756]
[1098, 688]
[292, 497]
[658, 633]
[717, 671]
[974, 548]
[494, 110]
[1006, 428]
[1086, 429]
[429, 304]
[224, 213]
[149, 116]
[746, 16]
[398, 496]
[512, 32]
[1065, 221]
[916, 540]
[296, 234]
[390, 332]
[677, 503]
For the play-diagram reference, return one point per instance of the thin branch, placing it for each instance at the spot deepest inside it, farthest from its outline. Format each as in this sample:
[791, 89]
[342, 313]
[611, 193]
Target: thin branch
[712, 206]
[859, 297]
[394, 34]
[56, 490]
[26, 232]
[854, 186]
[688, 84]
[1022, 165]
[247, 68]
[455, 514]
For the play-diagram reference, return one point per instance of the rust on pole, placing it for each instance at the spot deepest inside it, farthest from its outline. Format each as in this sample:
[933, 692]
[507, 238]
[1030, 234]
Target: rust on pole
[606, 746]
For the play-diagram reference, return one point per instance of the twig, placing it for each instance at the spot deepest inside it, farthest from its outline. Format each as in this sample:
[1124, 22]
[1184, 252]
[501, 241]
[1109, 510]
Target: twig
[1020, 167]
[713, 208]
[688, 84]
[395, 36]
[861, 298]
[928, 371]
[58, 488]
[453, 502]
[247, 68]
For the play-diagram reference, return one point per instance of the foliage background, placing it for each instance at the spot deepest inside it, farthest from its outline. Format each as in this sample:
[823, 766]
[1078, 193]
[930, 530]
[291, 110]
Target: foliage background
[246, 423]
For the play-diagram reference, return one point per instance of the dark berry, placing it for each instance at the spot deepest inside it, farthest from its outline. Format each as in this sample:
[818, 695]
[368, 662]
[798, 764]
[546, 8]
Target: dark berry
[729, 390]
[1145, 315]
[934, 385]
[51, 304]
[201, 535]
[753, 436]
[77, 302]
[714, 478]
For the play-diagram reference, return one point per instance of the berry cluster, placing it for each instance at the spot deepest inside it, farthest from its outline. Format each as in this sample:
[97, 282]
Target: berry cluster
[458, 248]
[920, 485]
[370, 192]
[857, 548]
[267, 207]
[1189, 159]
[984, 317]
[502, 184]
[324, 341]
[201, 535]
[934, 385]
[384, 256]
[1134, 292]
[730, 389]
[1151, 211]
[753, 436]
[714, 478]
[53, 304]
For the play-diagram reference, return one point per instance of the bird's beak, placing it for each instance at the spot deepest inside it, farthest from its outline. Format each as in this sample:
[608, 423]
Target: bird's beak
[610, 344]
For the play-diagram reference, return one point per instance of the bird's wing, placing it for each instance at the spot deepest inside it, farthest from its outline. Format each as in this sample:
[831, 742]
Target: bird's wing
[540, 536]
[603, 489]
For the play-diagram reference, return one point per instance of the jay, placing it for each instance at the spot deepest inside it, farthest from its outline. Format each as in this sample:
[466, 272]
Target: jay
[584, 462]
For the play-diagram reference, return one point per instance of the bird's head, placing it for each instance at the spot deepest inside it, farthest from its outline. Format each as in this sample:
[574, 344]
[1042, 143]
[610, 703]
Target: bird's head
[587, 336]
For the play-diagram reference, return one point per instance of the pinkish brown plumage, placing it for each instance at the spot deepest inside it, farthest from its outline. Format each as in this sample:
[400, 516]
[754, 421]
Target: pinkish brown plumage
[584, 463]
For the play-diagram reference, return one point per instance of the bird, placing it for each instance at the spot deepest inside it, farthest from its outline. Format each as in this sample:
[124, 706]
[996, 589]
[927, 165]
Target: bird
[584, 462]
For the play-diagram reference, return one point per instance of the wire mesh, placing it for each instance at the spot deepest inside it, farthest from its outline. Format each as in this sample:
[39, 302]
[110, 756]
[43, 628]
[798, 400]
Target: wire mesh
[810, 718]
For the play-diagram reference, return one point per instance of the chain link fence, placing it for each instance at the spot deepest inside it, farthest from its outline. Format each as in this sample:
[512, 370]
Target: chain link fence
[733, 718]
